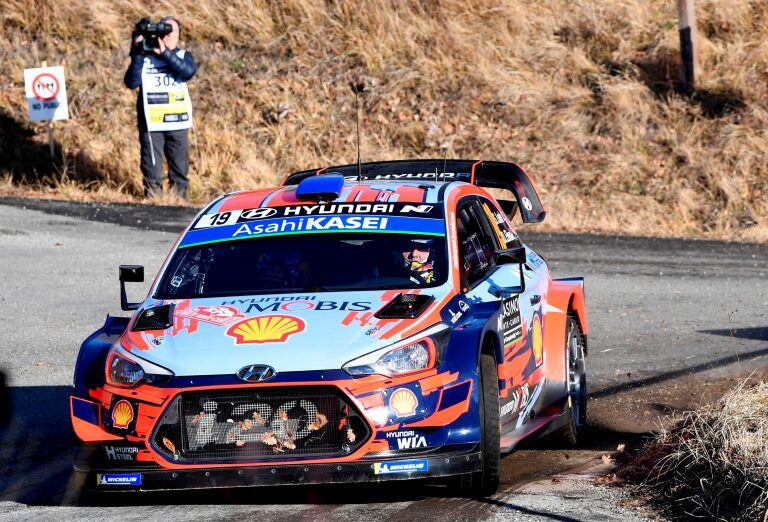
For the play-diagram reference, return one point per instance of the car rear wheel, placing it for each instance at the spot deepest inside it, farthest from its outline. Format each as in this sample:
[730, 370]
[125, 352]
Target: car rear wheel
[484, 483]
[576, 385]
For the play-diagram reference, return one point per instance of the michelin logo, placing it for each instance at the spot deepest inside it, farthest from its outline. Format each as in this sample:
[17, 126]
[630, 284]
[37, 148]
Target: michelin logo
[118, 479]
[402, 466]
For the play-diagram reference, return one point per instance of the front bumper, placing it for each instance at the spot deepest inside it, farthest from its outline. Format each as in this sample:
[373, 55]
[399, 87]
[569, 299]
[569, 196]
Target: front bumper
[437, 437]
[154, 479]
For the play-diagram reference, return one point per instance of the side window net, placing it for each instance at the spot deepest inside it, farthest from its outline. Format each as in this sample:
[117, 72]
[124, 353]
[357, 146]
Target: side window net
[505, 236]
[476, 247]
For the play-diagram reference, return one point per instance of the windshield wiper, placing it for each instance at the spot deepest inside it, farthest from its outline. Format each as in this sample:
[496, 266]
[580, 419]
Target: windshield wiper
[314, 289]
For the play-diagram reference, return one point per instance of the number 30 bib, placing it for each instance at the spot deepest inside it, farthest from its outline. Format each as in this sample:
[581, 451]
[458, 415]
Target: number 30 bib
[167, 105]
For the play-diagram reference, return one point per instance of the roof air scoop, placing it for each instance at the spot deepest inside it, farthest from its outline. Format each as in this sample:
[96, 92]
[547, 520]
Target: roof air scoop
[325, 187]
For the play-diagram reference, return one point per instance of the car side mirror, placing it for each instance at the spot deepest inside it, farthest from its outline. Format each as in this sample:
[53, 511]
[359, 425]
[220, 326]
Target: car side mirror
[513, 255]
[129, 274]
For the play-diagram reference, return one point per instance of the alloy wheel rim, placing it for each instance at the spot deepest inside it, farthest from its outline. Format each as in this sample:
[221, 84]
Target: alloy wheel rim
[575, 376]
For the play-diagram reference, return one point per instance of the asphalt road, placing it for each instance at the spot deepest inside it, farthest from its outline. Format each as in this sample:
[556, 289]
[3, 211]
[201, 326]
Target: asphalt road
[670, 321]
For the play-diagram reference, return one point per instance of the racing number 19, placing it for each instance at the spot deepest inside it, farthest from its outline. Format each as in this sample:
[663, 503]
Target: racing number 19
[217, 220]
[222, 218]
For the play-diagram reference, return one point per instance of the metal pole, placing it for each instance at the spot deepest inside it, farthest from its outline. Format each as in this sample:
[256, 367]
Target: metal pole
[50, 139]
[686, 23]
[50, 125]
[357, 127]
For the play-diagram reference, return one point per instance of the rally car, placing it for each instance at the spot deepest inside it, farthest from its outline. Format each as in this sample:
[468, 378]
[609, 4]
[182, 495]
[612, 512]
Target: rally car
[368, 322]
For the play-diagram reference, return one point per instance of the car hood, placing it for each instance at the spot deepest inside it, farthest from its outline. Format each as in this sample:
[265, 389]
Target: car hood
[292, 332]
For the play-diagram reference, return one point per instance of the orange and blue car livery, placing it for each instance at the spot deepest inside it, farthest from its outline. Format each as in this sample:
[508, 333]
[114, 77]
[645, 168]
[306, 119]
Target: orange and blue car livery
[325, 385]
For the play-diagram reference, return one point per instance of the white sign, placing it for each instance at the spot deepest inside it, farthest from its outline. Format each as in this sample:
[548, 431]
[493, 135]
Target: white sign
[46, 93]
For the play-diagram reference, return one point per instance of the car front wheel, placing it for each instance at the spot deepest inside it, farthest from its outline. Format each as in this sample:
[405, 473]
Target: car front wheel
[485, 482]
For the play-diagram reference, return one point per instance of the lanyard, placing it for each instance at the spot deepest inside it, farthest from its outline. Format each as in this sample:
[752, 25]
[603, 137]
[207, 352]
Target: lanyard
[167, 105]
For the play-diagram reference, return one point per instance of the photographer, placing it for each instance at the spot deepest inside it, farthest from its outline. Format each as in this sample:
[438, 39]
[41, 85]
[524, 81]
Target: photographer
[163, 106]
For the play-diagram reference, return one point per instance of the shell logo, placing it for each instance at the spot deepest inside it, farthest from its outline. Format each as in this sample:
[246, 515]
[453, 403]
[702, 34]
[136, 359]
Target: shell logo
[538, 344]
[266, 329]
[403, 402]
[122, 414]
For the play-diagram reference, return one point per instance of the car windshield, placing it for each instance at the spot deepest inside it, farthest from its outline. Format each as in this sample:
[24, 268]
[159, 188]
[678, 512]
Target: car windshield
[305, 263]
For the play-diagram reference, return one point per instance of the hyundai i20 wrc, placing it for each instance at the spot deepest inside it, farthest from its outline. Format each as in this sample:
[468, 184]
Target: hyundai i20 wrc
[369, 322]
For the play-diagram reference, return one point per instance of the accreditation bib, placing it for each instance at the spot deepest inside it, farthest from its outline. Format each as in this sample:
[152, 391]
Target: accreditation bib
[167, 106]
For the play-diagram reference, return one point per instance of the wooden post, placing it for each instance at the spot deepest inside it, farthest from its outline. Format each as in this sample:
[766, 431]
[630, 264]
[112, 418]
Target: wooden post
[686, 23]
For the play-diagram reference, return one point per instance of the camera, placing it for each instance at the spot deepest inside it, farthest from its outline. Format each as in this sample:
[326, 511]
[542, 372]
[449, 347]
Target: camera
[151, 32]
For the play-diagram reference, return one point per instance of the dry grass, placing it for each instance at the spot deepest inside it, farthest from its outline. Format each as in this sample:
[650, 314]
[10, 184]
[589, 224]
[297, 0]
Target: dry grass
[713, 463]
[579, 92]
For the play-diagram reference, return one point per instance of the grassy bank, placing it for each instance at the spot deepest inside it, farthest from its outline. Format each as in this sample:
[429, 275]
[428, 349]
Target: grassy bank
[581, 93]
[711, 464]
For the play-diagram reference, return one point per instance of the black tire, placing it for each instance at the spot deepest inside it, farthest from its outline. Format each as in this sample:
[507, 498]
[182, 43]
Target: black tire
[484, 483]
[576, 386]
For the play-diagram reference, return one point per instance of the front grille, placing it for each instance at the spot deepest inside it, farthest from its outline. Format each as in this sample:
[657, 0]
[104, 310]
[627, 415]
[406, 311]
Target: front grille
[260, 423]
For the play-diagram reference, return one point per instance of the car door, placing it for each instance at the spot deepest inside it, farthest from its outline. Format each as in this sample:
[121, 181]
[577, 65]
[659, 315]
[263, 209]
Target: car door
[481, 230]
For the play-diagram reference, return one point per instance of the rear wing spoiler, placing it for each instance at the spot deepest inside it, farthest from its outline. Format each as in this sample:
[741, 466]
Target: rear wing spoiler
[490, 174]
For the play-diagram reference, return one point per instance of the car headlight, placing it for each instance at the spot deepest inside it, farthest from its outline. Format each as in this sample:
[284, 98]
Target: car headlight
[417, 353]
[126, 370]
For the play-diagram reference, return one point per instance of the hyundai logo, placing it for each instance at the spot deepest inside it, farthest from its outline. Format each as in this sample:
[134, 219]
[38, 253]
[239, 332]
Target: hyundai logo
[258, 213]
[256, 373]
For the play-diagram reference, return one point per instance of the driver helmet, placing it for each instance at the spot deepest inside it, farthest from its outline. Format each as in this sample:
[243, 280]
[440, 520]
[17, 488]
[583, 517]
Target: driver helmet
[281, 269]
[417, 256]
